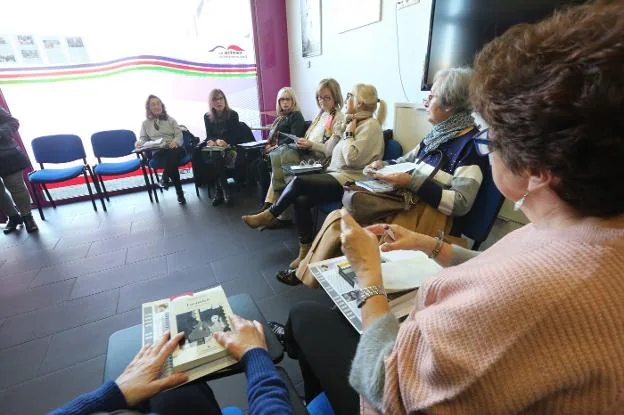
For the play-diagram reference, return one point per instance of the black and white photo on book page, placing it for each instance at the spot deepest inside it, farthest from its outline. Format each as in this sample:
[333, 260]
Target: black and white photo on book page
[201, 325]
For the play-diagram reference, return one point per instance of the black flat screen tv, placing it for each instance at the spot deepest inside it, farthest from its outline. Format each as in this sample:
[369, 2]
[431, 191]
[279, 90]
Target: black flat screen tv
[460, 28]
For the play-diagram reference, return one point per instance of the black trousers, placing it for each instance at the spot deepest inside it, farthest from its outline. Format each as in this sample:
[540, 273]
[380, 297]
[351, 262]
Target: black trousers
[195, 398]
[170, 158]
[210, 167]
[306, 192]
[324, 343]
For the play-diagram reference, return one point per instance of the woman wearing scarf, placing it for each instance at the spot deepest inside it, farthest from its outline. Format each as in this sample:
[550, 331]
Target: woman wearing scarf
[455, 186]
[361, 144]
[317, 144]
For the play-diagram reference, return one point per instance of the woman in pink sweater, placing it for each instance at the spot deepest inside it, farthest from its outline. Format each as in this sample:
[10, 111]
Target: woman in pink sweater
[535, 324]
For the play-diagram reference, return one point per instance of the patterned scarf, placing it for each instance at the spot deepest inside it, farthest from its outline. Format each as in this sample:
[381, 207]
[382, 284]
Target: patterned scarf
[352, 120]
[447, 130]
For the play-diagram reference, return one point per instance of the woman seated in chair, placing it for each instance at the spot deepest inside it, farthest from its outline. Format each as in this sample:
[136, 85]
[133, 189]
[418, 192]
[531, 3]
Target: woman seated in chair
[222, 130]
[361, 144]
[316, 145]
[534, 323]
[449, 145]
[160, 126]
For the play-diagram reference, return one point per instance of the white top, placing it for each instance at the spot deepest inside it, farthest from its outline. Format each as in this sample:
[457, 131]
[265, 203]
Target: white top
[317, 132]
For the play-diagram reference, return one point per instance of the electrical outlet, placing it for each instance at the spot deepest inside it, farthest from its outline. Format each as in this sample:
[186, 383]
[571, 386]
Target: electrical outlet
[401, 4]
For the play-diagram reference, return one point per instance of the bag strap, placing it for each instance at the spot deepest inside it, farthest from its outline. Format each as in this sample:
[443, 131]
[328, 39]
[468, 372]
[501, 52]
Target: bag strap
[438, 165]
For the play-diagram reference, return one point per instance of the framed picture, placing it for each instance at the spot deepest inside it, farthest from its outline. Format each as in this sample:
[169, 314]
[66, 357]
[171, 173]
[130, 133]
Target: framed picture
[358, 13]
[310, 28]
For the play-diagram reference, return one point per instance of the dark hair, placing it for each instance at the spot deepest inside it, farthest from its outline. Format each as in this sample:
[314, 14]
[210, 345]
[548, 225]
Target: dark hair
[212, 114]
[148, 113]
[552, 94]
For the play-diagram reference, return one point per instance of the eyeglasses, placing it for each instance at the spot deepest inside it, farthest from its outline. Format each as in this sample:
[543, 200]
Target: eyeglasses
[429, 98]
[349, 95]
[326, 98]
[285, 99]
[156, 126]
[217, 99]
[484, 144]
[310, 162]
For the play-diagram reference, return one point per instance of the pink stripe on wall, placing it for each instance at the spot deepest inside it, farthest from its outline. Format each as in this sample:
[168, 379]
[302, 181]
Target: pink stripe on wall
[271, 44]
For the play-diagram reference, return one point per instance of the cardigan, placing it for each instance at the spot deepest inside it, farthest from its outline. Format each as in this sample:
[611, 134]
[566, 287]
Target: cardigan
[351, 154]
[321, 146]
[224, 129]
[167, 129]
[291, 123]
[533, 324]
[266, 391]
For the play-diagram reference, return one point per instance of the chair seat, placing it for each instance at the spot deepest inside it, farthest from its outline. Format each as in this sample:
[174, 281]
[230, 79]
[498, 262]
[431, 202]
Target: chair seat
[112, 169]
[55, 175]
[329, 207]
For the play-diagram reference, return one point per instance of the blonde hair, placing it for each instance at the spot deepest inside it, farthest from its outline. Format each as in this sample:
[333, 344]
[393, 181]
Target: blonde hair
[334, 90]
[366, 95]
[286, 92]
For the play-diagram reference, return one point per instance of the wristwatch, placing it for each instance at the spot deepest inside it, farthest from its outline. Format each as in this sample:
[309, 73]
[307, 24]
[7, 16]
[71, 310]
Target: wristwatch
[368, 292]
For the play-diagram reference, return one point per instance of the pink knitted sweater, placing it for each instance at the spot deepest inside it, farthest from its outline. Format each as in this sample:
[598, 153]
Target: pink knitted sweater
[535, 324]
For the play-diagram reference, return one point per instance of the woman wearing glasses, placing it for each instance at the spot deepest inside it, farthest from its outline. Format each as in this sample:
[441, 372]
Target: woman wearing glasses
[222, 130]
[361, 144]
[160, 126]
[316, 145]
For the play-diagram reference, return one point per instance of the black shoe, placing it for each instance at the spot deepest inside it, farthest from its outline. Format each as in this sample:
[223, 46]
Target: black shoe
[12, 224]
[164, 181]
[218, 199]
[181, 199]
[279, 330]
[227, 196]
[29, 222]
[288, 277]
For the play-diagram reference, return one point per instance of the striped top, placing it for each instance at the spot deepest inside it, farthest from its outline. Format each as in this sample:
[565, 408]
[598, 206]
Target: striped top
[534, 324]
[454, 188]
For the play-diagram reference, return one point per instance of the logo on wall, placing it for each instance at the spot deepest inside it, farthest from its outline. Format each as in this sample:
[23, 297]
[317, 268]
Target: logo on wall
[231, 52]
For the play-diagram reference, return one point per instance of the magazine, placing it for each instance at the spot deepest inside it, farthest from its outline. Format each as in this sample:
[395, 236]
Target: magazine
[403, 272]
[375, 185]
[156, 319]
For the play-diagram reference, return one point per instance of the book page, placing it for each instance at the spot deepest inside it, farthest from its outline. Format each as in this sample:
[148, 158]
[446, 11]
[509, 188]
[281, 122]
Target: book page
[397, 168]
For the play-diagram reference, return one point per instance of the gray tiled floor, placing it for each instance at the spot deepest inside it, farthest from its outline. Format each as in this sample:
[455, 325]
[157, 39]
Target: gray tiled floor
[65, 290]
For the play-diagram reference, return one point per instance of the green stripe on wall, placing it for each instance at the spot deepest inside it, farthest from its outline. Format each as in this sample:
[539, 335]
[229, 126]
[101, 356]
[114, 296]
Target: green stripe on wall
[136, 68]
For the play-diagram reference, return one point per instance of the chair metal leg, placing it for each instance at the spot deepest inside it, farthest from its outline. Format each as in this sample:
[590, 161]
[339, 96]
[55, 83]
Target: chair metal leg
[99, 176]
[196, 189]
[84, 173]
[147, 185]
[36, 198]
[98, 190]
[153, 184]
[45, 189]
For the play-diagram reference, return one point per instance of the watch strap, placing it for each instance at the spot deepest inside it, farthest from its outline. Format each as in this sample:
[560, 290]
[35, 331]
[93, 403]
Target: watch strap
[368, 292]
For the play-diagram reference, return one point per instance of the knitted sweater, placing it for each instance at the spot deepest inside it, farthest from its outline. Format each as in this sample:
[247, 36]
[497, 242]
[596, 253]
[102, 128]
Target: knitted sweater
[266, 392]
[534, 324]
[351, 155]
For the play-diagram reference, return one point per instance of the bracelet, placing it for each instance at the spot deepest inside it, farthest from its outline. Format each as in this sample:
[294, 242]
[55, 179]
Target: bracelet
[439, 244]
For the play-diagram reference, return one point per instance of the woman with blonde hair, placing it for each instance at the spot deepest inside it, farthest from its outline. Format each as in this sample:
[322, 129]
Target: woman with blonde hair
[289, 118]
[317, 143]
[361, 144]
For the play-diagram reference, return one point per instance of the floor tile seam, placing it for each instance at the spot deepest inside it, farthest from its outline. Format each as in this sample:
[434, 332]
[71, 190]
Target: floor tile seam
[17, 385]
[94, 240]
[56, 263]
[44, 356]
[3, 277]
[151, 257]
[50, 305]
[151, 277]
[137, 245]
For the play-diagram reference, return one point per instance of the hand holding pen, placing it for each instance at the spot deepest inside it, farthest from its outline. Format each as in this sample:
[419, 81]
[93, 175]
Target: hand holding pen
[394, 237]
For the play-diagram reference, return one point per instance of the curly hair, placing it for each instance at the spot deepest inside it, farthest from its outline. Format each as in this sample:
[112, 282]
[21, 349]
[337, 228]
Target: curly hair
[552, 94]
[148, 113]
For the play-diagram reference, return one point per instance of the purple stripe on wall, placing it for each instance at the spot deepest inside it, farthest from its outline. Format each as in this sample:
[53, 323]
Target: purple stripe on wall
[271, 43]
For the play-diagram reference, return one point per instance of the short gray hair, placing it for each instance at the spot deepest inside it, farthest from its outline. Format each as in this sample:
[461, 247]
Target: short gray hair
[454, 88]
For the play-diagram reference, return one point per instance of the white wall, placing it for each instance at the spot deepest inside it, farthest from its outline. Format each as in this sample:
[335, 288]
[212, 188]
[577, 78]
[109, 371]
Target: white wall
[367, 54]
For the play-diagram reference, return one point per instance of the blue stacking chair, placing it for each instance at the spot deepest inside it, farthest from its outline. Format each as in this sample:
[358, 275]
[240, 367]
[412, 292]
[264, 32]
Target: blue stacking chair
[62, 148]
[153, 165]
[113, 144]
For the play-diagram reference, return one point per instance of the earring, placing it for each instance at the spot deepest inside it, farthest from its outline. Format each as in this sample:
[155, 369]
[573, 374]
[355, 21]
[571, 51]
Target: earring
[520, 202]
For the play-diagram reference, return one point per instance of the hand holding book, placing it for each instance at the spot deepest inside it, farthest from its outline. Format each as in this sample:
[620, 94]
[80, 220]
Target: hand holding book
[244, 336]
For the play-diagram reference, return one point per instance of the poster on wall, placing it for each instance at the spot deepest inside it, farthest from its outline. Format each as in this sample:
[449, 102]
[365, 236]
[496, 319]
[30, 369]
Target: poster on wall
[357, 13]
[310, 28]
[7, 54]
[28, 50]
[77, 51]
[54, 50]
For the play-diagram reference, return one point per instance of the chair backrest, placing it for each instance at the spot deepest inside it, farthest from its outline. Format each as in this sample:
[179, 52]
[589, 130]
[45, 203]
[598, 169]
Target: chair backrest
[477, 223]
[393, 150]
[244, 132]
[61, 148]
[114, 143]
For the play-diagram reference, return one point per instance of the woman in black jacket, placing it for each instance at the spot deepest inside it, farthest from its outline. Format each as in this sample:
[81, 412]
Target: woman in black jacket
[222, 130]
[12, 162]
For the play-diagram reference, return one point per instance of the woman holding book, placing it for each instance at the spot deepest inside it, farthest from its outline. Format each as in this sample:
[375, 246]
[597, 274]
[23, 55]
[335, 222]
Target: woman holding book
[139, 389]
[222, 132]
[316, 145]
[534, 323]
[160, 126]
[361, 144]
[450, 144]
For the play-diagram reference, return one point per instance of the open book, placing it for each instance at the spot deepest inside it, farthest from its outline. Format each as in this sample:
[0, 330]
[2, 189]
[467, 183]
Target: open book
[375, 185]
[403, 272]
[153, 144]
[199, 316]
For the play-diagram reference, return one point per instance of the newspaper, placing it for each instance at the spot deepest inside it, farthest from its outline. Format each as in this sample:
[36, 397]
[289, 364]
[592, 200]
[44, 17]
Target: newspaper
[155, 318]
[413, 265]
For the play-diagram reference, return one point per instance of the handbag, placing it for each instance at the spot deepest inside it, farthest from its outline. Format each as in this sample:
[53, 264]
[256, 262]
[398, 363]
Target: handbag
[368, 207]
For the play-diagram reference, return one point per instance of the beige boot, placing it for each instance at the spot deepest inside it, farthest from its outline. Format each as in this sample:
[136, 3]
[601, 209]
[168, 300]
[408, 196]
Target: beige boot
[264, 218]
[303, 251]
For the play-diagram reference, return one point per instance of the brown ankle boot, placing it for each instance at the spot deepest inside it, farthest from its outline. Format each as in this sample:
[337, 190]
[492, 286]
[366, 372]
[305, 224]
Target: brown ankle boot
[303, 251]
[264, 218]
